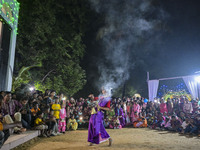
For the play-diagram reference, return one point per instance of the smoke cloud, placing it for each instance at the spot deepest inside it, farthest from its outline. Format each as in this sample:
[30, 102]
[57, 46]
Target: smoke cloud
[128, 23]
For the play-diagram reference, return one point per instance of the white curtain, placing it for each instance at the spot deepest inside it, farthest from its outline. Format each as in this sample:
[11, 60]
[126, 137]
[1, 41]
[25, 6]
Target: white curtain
[153, 89]
[191, 85]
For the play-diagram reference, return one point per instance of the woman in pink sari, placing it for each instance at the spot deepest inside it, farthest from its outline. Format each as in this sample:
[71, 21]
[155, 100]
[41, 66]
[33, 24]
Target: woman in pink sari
[135, 109]
[163, 107]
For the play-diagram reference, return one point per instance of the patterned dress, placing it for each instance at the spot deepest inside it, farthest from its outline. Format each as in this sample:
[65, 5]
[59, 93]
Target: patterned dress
[62, 121]
[96, 131]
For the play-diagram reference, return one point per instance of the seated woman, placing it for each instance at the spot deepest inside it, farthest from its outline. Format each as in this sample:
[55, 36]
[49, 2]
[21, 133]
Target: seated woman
[72, 123]
[4, 127]
[141, 122]
[8, 120]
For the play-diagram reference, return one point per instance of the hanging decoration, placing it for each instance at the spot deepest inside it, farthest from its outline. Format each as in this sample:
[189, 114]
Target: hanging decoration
[9, 10]
[175, 94]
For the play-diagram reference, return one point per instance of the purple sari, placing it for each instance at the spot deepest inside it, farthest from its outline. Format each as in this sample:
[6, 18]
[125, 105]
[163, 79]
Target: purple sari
[122, 119]
[96, 130]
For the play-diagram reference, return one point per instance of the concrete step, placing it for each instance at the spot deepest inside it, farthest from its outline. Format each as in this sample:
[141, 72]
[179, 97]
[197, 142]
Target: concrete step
[16, 140]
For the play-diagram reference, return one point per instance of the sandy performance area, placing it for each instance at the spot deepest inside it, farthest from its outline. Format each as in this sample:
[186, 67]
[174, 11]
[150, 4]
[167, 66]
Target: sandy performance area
[123, 139]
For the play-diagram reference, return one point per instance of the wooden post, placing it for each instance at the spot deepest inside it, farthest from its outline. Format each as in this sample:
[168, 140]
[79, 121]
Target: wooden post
[147, 76]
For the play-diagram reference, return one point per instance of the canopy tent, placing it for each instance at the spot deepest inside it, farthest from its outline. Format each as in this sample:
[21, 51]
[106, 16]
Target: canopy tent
[190, 82]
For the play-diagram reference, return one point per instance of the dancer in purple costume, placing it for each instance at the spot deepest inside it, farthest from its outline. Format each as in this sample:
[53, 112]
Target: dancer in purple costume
[96, 131]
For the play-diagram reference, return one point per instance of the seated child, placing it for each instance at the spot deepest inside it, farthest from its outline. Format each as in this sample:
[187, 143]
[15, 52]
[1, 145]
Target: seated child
[35, 109]
[175, 124]
[80, 120]
[116, 123]
[160, 121]
[106, 122]
[34, 112]
[72, 123]
[40, 125]
[184, 125]
[149, 119]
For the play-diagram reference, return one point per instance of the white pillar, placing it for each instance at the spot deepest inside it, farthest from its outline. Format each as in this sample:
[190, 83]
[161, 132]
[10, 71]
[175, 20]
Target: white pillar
[11, 60]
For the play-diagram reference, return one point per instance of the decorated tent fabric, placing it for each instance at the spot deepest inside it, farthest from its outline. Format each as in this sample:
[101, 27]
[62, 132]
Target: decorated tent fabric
[9, 10]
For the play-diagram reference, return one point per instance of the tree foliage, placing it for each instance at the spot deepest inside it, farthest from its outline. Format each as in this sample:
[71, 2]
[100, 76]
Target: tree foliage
[129, 91]
[23, 77]
[51, 32]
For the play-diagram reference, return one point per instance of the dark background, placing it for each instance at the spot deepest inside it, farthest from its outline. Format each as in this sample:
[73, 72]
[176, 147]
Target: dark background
[177, 55]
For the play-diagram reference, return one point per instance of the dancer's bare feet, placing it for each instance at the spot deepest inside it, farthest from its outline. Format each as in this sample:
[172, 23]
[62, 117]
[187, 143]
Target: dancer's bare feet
[91, 144]
[110, 141]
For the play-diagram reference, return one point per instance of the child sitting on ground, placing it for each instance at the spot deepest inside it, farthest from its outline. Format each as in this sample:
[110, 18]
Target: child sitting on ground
[40, 125]
[106, 122]
[184, 125]
[175, 124]
[116, 123]
[72, 123]
[80, 119]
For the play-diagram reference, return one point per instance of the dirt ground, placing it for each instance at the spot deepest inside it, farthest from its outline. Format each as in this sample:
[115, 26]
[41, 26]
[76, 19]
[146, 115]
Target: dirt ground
[123, 139]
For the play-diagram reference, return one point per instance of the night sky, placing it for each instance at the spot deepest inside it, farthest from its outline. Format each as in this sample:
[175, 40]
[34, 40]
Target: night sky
[176, 53]
[182, 42]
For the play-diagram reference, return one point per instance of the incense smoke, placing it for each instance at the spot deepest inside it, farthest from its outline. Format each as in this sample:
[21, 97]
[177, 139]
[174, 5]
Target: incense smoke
[130, 26]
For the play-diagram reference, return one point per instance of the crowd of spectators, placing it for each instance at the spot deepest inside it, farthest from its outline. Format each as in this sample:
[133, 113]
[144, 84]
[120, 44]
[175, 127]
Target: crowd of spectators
[54, 114]
[177, 114]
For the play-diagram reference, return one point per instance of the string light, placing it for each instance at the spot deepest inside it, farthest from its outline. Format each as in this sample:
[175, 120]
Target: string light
[178, 87]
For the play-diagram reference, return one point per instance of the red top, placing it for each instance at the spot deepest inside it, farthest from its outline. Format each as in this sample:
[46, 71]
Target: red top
[108, 104]
[96, 98]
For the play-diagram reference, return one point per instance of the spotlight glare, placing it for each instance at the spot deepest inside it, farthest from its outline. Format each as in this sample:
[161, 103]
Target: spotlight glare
[31, 89]
[197, 79]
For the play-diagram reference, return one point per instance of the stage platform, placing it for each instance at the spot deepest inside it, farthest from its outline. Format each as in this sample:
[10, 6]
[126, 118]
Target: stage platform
[16, 140]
